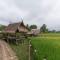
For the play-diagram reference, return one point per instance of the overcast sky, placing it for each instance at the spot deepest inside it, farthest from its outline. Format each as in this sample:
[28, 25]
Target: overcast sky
[31, 11]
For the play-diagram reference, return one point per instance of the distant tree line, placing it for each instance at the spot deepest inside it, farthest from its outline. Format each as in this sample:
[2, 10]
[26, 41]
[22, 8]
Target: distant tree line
[43, 29]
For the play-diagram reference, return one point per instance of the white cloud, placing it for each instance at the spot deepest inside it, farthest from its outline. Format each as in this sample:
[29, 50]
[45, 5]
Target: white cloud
[9, 11]
[32, 11]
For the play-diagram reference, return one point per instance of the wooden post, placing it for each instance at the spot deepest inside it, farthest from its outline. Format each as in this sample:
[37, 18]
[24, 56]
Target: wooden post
[29, 49]
[7, 37]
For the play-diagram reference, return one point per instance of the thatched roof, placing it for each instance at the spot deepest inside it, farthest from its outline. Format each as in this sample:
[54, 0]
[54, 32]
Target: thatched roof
[34, 31]
[14, 27]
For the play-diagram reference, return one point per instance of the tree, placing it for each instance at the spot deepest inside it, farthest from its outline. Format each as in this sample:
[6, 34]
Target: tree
[33, 27]
[27, 26]
[53, 30]
[43, 28]
[2, 27]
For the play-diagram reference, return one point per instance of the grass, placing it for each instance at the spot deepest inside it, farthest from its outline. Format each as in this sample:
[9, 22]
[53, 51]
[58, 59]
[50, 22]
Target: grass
[47, 45]
[21, 50]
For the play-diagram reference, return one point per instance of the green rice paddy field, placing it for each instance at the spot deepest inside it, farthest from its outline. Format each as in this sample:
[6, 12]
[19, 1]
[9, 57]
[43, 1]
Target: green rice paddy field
[46, 46]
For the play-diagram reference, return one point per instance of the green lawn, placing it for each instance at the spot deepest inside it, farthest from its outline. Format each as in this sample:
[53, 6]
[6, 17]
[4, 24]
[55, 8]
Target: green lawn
[46, 45]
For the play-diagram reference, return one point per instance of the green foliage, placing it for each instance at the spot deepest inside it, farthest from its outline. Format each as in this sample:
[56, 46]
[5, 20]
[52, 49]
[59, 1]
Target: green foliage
[33, 27]
[43, 28]
[21, 50]
[2, 27]
[48, 46]
[28, 27]
[53, 31]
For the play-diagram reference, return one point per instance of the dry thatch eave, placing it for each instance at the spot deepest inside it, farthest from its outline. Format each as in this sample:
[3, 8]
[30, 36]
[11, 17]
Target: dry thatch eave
[15, 27]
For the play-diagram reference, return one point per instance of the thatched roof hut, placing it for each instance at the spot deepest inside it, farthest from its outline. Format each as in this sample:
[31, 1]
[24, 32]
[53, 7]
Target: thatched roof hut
[34, 32]
[16, 27]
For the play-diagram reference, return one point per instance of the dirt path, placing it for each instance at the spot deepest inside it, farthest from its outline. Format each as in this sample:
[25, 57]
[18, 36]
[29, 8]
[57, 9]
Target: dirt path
[6, 53]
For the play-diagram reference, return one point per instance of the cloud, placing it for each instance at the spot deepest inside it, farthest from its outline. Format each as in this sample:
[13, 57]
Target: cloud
[32, 11]
[10, 12]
